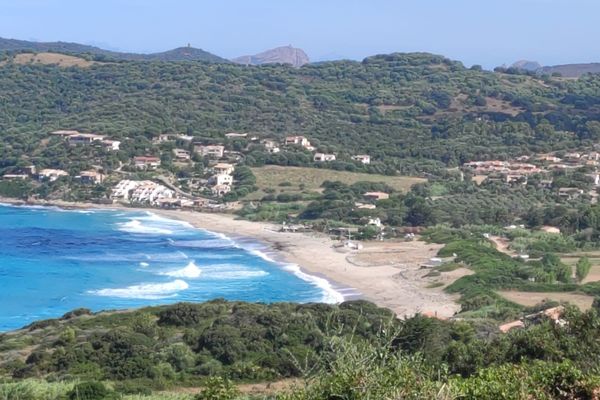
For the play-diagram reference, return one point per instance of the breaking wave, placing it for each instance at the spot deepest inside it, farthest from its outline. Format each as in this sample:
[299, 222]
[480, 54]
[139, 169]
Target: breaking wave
[148, 291]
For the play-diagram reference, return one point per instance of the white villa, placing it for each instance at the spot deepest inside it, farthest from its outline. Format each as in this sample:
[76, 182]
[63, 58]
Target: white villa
[213, 151]
[363, 158]
[322, 157]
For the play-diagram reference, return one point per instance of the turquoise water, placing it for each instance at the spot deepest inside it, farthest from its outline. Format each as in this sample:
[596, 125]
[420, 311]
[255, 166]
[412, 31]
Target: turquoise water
[53, 260]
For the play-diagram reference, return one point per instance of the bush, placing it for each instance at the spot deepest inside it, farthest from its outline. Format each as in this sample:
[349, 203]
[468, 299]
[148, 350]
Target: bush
[91, 391]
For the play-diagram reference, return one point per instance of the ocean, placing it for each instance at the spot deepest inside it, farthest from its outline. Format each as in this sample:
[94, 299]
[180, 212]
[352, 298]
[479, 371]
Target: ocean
[54, 260]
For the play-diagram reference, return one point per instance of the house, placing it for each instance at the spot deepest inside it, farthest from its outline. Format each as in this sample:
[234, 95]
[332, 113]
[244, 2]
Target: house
[321, 157]
[186, 138]
[162, 139]
[90, 177]
[146, 162]
[85, 138]
[235, 135]
[212, 151]
[111, 145]
[223, 169]
[15, 177]
[299, 141]
[375, 222]
[364, 206]
[221, 190]
[271, 146]
[549, 158]
[181, 154]
[376, 195]
[570, 193]
[221, 179]
[64, 133]
[362, 158]
[51, 174]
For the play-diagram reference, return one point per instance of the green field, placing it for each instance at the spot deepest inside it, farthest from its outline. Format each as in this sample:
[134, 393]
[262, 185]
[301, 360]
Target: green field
[292, 178]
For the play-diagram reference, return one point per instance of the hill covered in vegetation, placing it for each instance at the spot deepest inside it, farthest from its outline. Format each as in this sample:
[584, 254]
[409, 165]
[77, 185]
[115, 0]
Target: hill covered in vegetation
[179, 54]
[413, 112]
[351, 351]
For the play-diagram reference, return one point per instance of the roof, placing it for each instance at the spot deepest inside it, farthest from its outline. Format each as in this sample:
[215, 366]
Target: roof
[223, 166]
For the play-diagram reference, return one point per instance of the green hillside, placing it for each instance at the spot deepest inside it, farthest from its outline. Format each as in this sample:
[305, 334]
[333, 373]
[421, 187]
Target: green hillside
[351, 351]
[415, 112]
[178, 54]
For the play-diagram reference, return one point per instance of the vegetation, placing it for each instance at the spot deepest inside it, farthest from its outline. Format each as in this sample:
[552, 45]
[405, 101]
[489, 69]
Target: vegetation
[351, 351]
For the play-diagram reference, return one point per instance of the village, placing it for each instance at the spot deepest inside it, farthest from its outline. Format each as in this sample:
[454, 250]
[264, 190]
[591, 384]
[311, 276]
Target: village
[142, 180]
[522, 169]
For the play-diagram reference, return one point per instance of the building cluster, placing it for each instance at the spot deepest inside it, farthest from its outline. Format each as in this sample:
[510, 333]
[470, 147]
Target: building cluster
[510, 171]
[142, 192]
[89, 177]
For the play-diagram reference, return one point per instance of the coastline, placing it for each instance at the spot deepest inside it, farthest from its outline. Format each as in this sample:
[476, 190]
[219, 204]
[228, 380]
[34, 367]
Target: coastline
[396, 287]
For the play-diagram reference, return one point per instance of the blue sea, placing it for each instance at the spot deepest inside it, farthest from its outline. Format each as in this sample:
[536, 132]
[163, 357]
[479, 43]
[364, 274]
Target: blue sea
[54, 260]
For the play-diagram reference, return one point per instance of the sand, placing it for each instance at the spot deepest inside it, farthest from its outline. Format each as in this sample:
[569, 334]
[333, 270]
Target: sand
[393, 279]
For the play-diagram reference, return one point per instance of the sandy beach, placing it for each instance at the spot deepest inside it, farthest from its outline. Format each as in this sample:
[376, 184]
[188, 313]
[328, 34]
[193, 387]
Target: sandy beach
[386, 273]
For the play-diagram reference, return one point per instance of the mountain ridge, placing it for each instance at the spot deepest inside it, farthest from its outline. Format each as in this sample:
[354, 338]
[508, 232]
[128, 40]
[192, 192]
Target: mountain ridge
[186, 53]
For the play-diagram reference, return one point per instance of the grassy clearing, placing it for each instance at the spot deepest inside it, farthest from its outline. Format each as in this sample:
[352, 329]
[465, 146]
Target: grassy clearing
[302, 179]
[62, 60]
[530, 299]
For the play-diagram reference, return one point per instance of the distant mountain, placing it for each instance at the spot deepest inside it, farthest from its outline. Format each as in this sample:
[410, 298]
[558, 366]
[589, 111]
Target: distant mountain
[178, 54]
[280, 55]
[565, 70]
[572, 70]
[527, 65]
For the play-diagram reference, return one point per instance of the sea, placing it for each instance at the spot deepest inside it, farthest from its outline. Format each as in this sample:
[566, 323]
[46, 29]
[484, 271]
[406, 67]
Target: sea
[54, 260]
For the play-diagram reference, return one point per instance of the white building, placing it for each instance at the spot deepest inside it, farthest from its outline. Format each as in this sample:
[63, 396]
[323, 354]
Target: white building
[213, 151]
[322, 157]
[363, 158]
[223, 169]
[271, 146]
[51, 174]
[146, 162]
[181, 154]
[141, 192]
[111, 145]
[221, 179]
[85, 138]
[299, 141]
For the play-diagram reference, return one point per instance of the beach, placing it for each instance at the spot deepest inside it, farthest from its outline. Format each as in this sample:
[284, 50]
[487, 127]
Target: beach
[387, 273]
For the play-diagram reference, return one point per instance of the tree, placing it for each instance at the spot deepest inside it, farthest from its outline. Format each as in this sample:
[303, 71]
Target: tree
[582, 268]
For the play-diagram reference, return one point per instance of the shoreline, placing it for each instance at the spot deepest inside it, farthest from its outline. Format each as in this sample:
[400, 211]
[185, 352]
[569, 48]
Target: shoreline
[394, 287]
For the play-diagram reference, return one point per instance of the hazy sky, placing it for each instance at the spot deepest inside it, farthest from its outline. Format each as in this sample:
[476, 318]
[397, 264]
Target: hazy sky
[487, 32]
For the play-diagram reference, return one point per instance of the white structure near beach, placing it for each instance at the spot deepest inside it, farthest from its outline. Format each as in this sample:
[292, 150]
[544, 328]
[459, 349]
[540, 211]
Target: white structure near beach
[51, 174]
[141, 192]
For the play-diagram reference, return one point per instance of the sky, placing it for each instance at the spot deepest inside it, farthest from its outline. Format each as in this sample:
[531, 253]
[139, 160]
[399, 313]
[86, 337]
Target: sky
[485, 32]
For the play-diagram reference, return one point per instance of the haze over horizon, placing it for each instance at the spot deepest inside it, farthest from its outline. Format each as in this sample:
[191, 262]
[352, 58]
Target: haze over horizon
[474, 32]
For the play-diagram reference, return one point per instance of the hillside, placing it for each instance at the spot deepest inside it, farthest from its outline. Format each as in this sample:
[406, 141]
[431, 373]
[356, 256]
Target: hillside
[572, 70]
[411, 112]
[279, 55]
[178, 54]
[310, 352]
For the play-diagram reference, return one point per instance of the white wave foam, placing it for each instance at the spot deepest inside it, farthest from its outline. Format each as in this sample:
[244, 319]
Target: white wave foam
[261, 254]
[330, 295]
[150, 216]
[189, 271]
[144, 264]
[240, 274]
[148, 291]
[136, 226]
